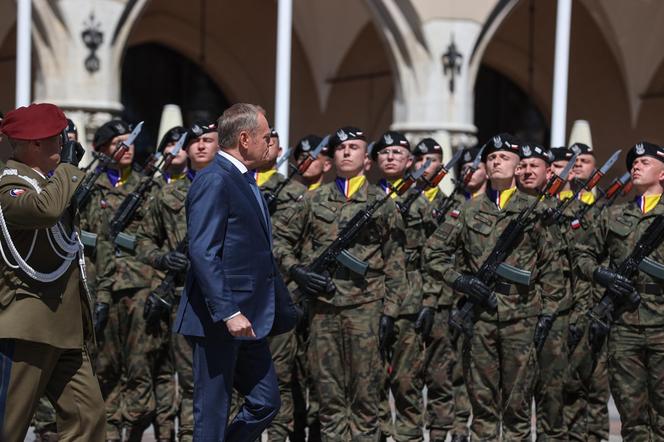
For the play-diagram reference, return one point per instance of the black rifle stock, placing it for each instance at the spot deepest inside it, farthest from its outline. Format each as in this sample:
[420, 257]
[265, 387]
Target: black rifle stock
[127, 210]
[165, 289]
[336, 252]
[602, 314]
[494, 265]
[82, 195]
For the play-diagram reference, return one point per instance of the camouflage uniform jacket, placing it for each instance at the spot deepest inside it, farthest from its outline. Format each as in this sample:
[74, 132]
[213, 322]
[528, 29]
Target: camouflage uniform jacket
[419, 224]
[462, 244]
[315, 225]
[117, 268]
[436, 292]
[583, 291]
[562, 236]
[289, 196]
[618, 230]
[165, 223]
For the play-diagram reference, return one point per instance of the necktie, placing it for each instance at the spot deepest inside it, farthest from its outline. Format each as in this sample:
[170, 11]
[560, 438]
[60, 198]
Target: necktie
[257, 194]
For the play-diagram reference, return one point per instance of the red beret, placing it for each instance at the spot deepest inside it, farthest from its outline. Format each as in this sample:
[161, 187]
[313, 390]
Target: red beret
[35, 122]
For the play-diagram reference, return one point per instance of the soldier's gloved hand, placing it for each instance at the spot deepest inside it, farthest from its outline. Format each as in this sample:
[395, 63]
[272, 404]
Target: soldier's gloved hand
[617, 284]
[550, 215]
[72, 153]
[175, 261]
[386, 337]
[311, 283]
[574, 335]
[424, 322]
[477, 291]
[544, 323]
[154, 310]
[100, 318]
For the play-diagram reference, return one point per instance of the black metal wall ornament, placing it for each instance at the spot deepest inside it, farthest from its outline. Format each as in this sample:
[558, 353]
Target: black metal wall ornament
[93, 38]
[452, 62]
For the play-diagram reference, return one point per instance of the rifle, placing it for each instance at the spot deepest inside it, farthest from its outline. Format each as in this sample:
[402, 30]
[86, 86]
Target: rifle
[82, 195]
[610, 195]
[337, 251]
[494, 266]
[557, 213]
[424, 183]
[127, 210]
[302, 166]
[602, 314]
[163, 296]
[166, 288]
[445, 206]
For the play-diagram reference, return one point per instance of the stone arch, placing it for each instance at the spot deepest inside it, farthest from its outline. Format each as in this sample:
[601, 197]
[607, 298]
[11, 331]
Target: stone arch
[597, 90]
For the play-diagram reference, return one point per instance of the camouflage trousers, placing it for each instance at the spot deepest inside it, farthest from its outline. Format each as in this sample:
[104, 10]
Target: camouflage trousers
[587, 394]
[44, 421]
[347, 370]
[126, 364]
[438, 369]
[405, 381]
[182, 359]
[500, 368]
[283, 348]
[305, 402]
[461, 401]
[636, 378]
[554, 369]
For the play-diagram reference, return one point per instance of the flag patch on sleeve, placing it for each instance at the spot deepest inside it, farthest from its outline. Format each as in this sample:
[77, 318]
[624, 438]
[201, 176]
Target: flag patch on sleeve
[16, 192]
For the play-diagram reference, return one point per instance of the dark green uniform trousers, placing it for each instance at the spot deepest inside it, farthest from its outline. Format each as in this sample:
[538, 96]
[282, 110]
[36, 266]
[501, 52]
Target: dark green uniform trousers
[125, 366]
[549, 391]
[500, 369]
[439, 363]
[347, 370]
[30, 370]
[587, 394]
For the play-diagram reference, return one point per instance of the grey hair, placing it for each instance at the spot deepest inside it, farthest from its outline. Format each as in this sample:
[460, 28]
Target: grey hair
[237, 118]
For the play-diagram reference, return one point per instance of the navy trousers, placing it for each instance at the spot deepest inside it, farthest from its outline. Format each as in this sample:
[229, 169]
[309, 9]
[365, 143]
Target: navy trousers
[220, 365]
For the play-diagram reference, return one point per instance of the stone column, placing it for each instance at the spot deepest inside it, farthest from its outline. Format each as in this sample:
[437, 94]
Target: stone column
[79, 52]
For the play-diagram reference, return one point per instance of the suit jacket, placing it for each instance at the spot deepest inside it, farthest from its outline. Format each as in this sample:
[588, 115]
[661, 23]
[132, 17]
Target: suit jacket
[232, 267]
[57, 313]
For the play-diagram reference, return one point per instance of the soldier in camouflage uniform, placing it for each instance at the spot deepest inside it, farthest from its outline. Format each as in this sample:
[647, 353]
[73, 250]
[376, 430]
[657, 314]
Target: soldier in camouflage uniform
[347, 309]
[447, 399]
[313, 177]
[305, 402]
[392, 155]
[125, 354]
[160, 234]
[635, 340]
[283, 347]
[499, 358]
[586, 392]
[534, 171]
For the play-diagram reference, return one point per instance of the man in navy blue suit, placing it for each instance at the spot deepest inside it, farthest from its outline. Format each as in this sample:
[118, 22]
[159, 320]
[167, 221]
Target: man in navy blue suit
[234, 296]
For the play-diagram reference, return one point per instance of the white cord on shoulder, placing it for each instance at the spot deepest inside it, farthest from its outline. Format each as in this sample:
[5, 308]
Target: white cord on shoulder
[20, 261]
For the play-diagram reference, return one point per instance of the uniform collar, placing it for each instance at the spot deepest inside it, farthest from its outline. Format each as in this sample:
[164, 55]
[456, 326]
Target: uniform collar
[351, 188]
[648, 204]
[387, 185]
